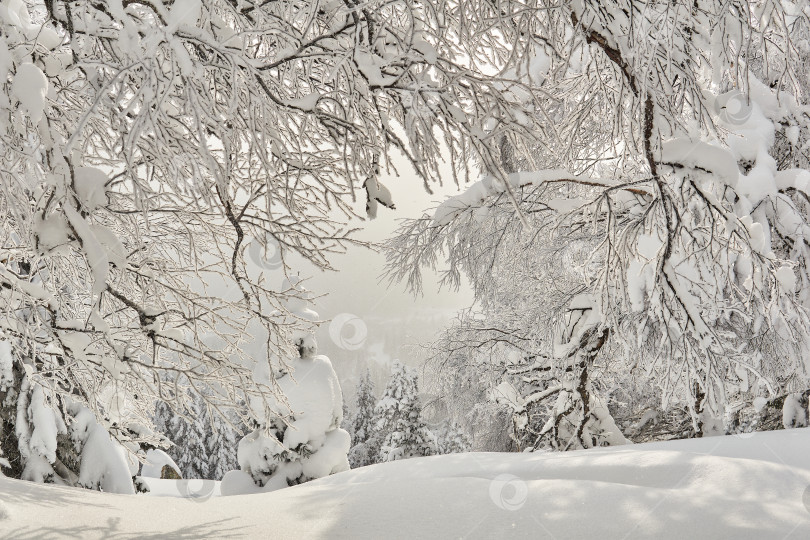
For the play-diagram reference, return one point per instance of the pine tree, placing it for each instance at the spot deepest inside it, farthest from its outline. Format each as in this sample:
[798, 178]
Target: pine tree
[347, 424]
[204, 445]
[162, 418]
[365, 443]
[221, 445]
[398, 419]
[452, 439]
[188, 433]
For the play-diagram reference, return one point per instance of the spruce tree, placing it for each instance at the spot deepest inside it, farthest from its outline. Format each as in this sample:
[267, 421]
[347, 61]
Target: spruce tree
[188, 433]
[347, 424]
[162, 418]
[365, 443]
[204, 445]
[221, 445]
[398, 419]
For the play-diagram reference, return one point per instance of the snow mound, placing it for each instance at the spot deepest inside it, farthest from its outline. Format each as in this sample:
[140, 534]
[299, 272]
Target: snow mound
[752, 486]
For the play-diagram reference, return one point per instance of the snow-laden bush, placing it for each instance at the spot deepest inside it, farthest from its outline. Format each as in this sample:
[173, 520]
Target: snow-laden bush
[105, 464]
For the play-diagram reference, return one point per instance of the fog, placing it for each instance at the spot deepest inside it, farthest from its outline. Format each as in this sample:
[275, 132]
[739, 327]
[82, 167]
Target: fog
[372, 323]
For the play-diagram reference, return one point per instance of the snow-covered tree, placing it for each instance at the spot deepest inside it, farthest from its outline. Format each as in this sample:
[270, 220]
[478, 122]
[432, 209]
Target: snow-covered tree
[162, 418]
[795, 410]
[298, 438]
[365, 440]
[657, 236]
[147, 147]
[221, 442]
[42, 444]
[201, 445]
[452, 439]
[398, 419]
[347, 425]
[188, 434]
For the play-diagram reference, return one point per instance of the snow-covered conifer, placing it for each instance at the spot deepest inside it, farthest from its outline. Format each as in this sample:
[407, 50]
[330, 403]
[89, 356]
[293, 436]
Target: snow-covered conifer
[52, 438]
[203, 444]
[365, 441]
[188, 433]
[795, 410]
[221, 443]
[105, 464]
[347, 424]
[397, 419]
[298, 437]
[162, 417]
[452, 439]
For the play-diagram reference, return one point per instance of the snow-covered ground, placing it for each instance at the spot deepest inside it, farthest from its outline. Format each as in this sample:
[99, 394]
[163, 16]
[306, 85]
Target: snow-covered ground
[754, 486]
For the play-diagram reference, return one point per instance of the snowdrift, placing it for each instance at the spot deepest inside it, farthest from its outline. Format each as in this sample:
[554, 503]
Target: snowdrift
[752, 486]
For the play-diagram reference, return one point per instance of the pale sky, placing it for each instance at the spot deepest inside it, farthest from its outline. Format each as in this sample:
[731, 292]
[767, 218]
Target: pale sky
[356, 286]
[393, 317]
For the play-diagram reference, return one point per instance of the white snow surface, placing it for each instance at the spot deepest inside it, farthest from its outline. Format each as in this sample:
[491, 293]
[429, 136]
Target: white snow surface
[191, 489]
[749, 486]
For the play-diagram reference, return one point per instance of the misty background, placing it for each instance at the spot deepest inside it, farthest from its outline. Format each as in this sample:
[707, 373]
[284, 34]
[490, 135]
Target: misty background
[369, 323]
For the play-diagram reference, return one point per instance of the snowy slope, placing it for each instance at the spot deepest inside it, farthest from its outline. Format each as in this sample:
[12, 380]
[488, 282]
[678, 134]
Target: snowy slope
[740, 487]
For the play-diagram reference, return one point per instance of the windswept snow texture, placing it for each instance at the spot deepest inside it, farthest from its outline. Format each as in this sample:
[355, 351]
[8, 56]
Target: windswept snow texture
[753, 486]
